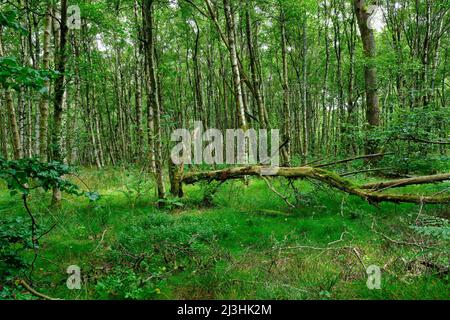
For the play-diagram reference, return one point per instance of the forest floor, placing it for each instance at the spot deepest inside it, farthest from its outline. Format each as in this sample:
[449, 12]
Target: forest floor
[247, 244]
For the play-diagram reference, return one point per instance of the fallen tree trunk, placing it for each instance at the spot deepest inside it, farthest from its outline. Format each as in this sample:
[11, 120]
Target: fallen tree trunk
[330, 178]
[406, 182]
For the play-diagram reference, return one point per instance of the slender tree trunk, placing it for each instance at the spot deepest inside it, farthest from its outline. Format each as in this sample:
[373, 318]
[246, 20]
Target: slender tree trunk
[285, 151]
[198, 80]
[256, 78]
[370, 71]
[324, 135]
[306, 107]
[231, 30]
[29, 127]
[43, 103]
[98, 134]
[17, 148]
[138, 87]
[149, 43]
[3, 132]
[351, 117]
[61, 59]
[15, 134]
[339, 120]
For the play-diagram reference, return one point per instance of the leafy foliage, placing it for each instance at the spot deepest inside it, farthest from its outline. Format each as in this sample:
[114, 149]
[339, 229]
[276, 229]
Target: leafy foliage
[12, 74]
[22, 176]
[435, 227]
[27, 174]
[8, 18]
[156, 248]
[14, 240]
[136, 185]
[411, 136]
[171, 203]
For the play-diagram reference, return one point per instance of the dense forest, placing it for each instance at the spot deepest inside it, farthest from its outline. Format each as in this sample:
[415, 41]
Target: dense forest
[93, 204]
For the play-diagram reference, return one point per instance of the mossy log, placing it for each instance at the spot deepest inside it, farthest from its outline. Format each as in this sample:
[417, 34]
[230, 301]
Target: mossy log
[327, 177]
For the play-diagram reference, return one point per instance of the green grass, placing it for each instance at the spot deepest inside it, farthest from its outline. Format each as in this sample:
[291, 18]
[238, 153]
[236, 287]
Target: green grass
[248, 245]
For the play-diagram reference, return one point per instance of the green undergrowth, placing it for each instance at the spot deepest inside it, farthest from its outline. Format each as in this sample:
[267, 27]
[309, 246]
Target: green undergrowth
[245, 243]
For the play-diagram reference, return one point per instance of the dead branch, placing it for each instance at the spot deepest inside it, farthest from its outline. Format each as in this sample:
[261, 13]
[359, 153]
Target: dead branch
[101, 240]
[285, 199]
[402, 243]
[347, 174]
[406, 182]
[34, 292]
[340, 239]
[357, 254]
[367, 156]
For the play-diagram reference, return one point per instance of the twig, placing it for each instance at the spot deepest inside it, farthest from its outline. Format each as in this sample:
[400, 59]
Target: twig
[380, 186]
[355, 251]
[101, 240]
[344, 197]
[340, 239]
[81, 180]
[440, 192]
[277, 193]
[353, 159]
[402, 243]
[420, 212]
[364, 171]
[198, 8]
[34, 239]
[312, 162]
[47, 232]
[314, 248]
[34, 292]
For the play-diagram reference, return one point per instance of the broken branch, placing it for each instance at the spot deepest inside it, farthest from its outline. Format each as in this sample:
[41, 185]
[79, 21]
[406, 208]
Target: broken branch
[406, 182]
